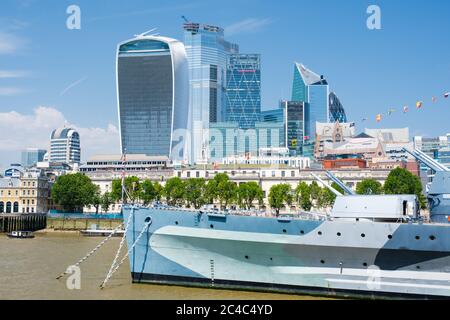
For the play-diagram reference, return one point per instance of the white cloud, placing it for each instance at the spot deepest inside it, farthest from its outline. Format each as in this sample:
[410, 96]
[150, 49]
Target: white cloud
[247, 25]
[5, 74]
[11, 91]
[19, 131]
[9, 43]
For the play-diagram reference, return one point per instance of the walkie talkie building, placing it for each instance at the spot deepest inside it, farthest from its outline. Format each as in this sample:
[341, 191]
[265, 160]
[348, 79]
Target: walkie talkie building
[153, 97]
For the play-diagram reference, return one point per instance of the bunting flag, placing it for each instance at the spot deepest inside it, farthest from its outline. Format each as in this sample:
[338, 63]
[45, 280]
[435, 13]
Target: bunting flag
[434, 99]
[391, 111]
[364, 119]
[405, 109]
[446, 95]
[378, 118]
[419, 104]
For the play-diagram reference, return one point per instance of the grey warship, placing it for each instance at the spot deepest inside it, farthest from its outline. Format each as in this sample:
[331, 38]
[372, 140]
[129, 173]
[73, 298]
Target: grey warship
[368, 246]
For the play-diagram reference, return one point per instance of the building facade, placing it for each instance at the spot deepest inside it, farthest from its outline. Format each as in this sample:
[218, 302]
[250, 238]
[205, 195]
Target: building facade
[31, 156]
[226, 139]
[27, 192]
[207, 54]
[65, 146]
[296, 115]
[153, 97]
[243, 90]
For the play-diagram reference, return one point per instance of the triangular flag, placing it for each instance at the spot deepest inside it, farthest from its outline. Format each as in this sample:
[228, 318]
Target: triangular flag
[405, 109]
[446, 94]
[364, 119]
[391, 111]
[378, 118]
[434, 99]
[419, 104]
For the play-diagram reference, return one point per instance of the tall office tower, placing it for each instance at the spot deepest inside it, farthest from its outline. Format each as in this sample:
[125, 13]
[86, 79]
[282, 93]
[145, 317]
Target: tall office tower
[65, 146]
[31, 156]
[312, 89]
[296, 121]
[337, 112]
[207, 53]
[243, 90]
[153, 97]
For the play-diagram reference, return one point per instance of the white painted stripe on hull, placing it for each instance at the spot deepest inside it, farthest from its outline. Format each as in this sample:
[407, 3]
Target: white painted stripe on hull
[397, 274]
[392, 284]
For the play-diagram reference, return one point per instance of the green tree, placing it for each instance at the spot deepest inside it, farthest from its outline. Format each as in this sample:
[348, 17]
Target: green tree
[326, 198]
[148, 192]
[249, 192]
[159, 190]
[73, 192]
[132, 187]
[195, 192]
[335, 186]
[96, 199]
[279, 196]
[314, 190]
[369, 186]
[106, 201]
[303, 196]
[222, 189]
[401, 181]
[174, 191]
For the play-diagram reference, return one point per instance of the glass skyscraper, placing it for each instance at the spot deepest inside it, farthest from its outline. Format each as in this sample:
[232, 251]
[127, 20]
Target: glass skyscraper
[31, 156]
[312, 89]
[337, 112]
[152, 93]
[207, 53]
[297, 119]
[243, 89]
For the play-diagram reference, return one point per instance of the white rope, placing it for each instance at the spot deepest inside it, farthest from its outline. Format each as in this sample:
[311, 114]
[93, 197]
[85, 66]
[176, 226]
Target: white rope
[147, 224]
[120, 246]
[94, 250]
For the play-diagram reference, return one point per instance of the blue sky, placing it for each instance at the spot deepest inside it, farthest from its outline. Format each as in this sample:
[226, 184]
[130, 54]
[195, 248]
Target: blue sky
[69, 74]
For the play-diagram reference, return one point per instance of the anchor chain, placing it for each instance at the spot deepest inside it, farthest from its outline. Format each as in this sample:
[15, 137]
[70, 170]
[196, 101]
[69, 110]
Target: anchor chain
[147, 224]
[93, 251]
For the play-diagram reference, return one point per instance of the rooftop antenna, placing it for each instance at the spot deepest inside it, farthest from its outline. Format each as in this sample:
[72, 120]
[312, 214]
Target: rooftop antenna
[145, 33]
[185, 19]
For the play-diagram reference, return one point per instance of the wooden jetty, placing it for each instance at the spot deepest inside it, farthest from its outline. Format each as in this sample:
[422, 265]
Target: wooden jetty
[22, 222]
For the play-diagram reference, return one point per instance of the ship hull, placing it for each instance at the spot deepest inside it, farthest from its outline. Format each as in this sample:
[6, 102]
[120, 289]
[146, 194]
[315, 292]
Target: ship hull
[338, 258]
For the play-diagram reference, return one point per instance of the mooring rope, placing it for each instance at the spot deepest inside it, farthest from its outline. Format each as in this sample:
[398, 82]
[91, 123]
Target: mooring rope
[120, 245]
[109, 275]
[93, 251]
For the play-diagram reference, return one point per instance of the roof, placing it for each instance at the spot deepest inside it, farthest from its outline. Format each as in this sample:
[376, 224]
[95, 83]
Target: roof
[308, 76]
[362, 135]
[9, 183]
[390, 135]
[129, 157]
[62, 133]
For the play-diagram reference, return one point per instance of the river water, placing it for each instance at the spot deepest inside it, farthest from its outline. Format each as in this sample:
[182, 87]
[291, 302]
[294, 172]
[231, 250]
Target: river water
[28, 268]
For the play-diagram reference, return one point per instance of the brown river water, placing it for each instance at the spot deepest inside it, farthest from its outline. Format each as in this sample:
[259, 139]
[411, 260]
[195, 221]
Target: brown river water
[29, 267]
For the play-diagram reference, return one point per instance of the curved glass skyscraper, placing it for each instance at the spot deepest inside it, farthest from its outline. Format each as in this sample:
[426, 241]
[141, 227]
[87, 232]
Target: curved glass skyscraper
[153, 97]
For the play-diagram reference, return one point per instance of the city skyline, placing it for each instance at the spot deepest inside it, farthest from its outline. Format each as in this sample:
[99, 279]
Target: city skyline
[42, 86]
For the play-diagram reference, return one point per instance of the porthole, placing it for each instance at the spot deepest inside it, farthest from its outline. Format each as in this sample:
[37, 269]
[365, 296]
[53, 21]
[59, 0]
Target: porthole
[271, 259]
[302, 232]
[319, 233]
[417, 237]
[390, 236]
[417, 267]
[322, 261]
[246, 257]
[211, 226]
[176, 222]
[147, 219]
[338, 234]
[432, 238]
[365, 264]
[363, 235]
[284, 231]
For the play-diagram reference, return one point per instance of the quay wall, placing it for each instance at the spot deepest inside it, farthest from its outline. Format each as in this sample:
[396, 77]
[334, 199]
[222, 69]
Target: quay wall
[22, 222]
[76, 224]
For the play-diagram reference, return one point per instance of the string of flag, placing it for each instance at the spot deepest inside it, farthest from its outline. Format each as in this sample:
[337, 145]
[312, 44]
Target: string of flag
[405, 109]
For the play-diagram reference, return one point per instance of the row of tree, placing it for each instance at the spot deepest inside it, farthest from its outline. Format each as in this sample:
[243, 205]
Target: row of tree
[75, 191]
